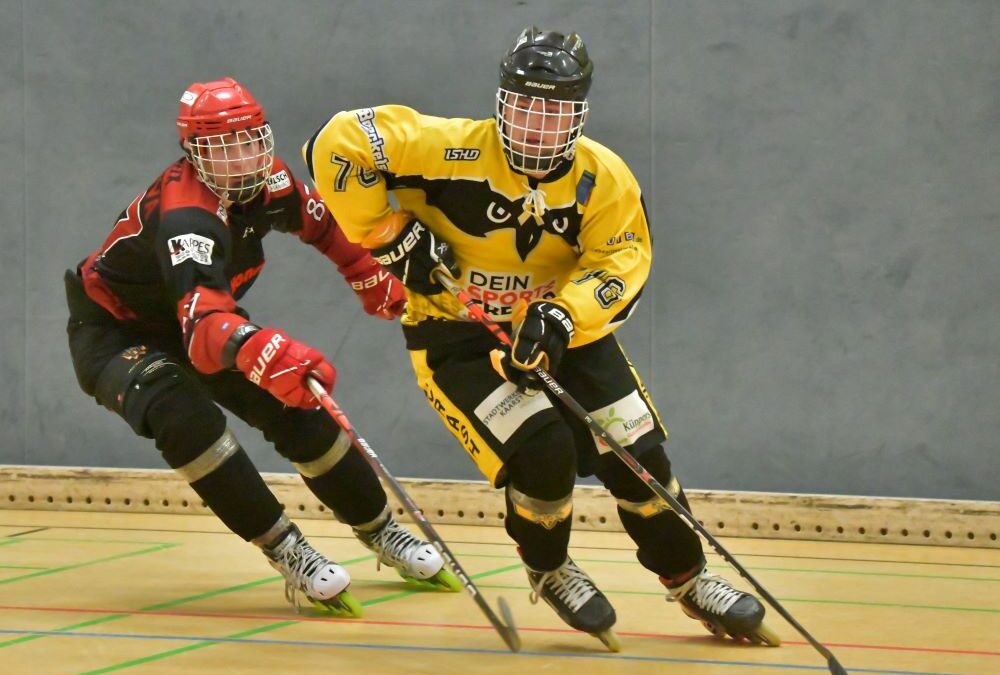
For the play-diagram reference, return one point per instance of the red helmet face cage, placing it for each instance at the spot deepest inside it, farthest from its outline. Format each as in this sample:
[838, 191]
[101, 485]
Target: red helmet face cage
[223, 130]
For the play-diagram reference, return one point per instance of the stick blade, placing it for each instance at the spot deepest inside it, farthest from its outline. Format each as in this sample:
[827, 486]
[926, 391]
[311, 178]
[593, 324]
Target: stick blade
[509, 635]
[835, 666]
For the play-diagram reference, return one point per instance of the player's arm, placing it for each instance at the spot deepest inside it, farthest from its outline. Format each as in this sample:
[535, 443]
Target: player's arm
[192, 249]
[349, 160]
[616, 245]
[299, 210]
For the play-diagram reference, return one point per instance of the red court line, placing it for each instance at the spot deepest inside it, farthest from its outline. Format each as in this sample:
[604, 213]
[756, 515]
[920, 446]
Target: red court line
[419, 624]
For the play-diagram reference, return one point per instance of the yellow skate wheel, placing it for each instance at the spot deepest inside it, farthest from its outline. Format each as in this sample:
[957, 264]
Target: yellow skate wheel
[610, 640]
[446, 581]
[342, 606]
[764, 636]
[442, 581]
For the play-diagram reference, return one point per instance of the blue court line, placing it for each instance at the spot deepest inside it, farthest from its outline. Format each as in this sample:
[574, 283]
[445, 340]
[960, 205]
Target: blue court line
[457, 650]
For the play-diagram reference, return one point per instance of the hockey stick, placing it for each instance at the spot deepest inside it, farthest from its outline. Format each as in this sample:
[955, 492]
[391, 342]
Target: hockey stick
[476, 310]
[506, 627]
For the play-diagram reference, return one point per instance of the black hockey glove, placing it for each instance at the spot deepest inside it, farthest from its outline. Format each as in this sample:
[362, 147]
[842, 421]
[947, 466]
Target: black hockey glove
[413, 254]
[539, 340]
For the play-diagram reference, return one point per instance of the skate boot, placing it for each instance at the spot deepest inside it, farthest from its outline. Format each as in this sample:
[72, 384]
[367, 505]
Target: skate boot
[308, 572]
[722, 609]
[577, 600]
[416, 561]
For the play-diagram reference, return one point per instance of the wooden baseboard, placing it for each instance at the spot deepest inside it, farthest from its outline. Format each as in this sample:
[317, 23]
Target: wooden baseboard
[733, 514]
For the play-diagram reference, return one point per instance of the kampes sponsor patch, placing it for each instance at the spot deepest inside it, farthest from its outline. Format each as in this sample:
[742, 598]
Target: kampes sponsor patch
[190, 247]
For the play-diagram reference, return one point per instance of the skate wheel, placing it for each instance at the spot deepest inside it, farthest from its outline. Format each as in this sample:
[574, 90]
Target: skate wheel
[713, 629]
[610, 640]
[442, 581]
[446, 581]
[765, 636]
[342, 606]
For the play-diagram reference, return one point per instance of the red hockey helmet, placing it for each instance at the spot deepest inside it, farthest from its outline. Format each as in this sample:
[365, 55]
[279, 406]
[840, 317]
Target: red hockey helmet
[223, 129]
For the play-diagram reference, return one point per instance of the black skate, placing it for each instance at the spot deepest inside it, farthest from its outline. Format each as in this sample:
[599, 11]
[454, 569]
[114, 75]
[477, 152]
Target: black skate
[577, 600]
[307, 571]
[722, 609]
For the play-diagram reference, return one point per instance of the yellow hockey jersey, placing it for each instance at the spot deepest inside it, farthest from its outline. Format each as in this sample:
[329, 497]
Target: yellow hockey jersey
[579, 236]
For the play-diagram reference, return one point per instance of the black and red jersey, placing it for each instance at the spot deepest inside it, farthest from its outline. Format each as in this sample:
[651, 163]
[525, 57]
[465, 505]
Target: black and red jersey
[177, 253]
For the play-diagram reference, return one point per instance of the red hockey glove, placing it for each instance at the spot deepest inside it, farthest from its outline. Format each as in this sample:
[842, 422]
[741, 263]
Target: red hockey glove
[380, 293]
[279, 364]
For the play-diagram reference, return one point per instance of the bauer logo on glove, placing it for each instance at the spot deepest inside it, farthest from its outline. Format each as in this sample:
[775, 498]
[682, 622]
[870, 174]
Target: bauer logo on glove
[411, 251]
[275, 362]
[540, 340]
[380, 293]
[264, 357]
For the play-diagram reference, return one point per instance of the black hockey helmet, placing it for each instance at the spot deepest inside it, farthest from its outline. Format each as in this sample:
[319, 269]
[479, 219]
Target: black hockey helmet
[547, 64]
[541, 103]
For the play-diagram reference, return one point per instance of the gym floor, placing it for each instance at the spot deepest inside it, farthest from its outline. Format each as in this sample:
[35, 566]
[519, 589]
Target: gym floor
[147, 593]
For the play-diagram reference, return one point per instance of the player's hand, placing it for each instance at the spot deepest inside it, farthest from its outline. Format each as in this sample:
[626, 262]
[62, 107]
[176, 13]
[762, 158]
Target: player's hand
[413, 253]
[540, 340]
[381, 293]
[279, 364]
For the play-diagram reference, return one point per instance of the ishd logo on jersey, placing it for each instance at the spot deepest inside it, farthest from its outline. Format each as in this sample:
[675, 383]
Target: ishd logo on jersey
[461, 154]
[498, 293]
[625, 420]
[190, 247]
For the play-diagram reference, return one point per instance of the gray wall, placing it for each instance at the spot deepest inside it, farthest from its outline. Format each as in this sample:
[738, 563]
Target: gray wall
[823, 180]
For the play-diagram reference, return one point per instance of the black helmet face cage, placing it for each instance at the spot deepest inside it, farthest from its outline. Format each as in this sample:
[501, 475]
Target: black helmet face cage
[538, 133]
[234, 165]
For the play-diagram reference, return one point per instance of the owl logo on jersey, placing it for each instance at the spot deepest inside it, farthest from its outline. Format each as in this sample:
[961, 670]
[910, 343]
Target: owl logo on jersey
[473, 207]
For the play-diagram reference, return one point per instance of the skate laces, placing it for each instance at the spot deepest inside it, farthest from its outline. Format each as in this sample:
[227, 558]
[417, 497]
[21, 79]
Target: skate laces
[568, 582]
[393, 543]
[713, 593]
[298, 562]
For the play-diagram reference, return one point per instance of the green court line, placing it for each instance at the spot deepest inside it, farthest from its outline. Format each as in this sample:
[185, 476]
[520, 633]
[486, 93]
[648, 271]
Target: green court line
[270, 627]
[49, 570]
[403, 594]
[753, 568]
[63, 568]
[22, 567]
[164, 605]
[181, 650]
[132, 542]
